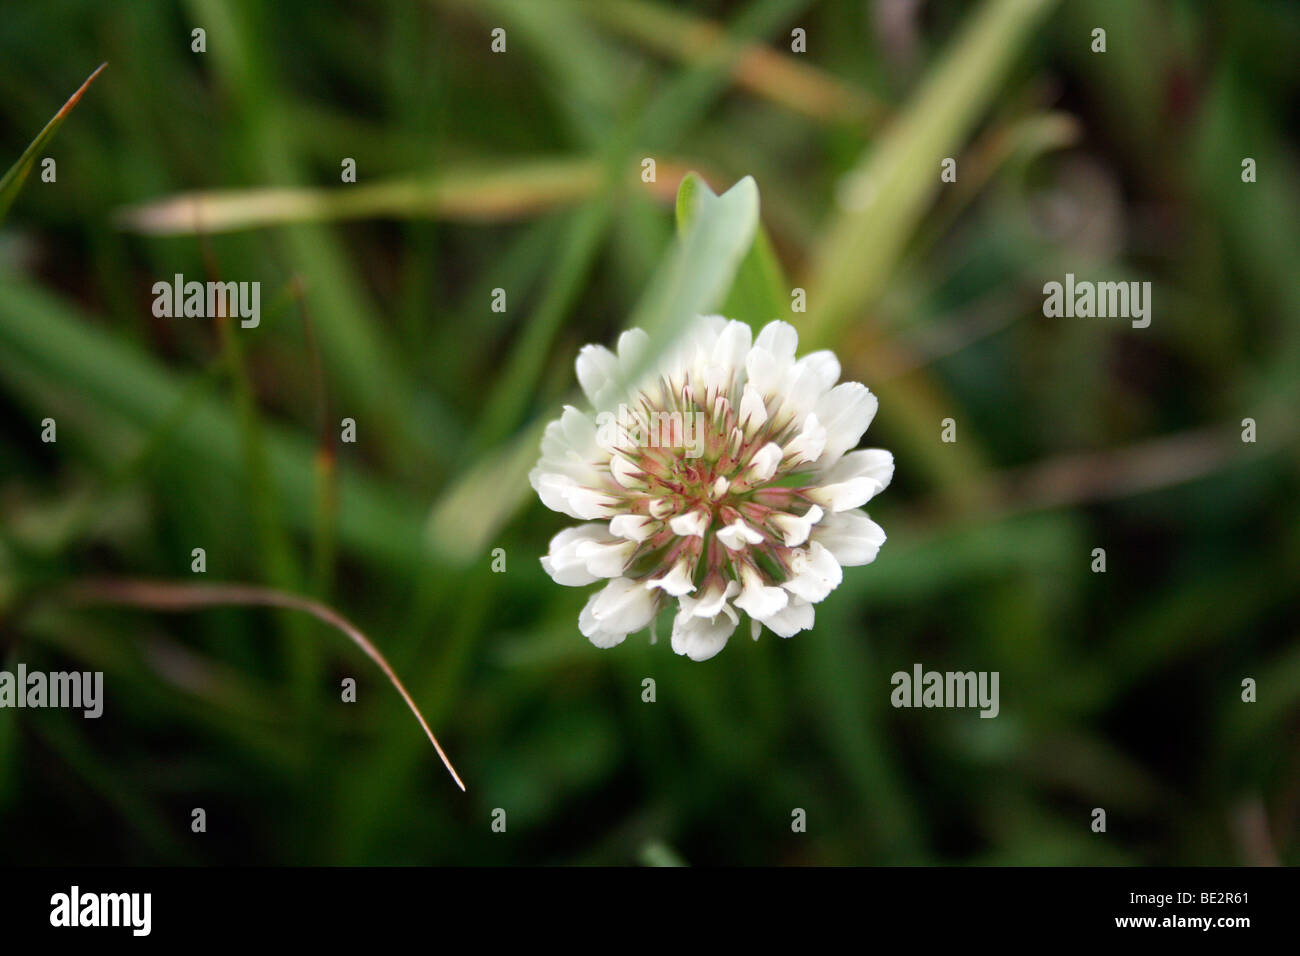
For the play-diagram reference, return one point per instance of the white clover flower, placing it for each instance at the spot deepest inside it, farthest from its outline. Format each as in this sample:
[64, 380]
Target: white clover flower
[723, 479]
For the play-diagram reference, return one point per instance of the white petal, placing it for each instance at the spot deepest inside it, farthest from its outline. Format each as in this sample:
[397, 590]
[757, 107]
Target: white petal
[845, 495]
[770, 363]
[806, 382]
[780, 339]
[625, 473]
[764, 373]
[734, 442]
[605, 559]
[855, 479]
[819, 370]
[852, 537]
[661, 508]
[706, 331]
[845, 411]
[732, 347]
[874, 463]
[580, 431]
[632, 346]
[676, 582]
[753, 412]
[549, 487]
[817, 574]
[597, 372]
[591, 628]
[757, 599]
[712, 602]
[587, 503]
[562, 561]
[809, 443]
[737, 534]
[764, 463]
[700, 638]
[717, 379]
[692, 523]
[633, 527]
[621, 607]
[795, 617]
[795, 529]
[561, 493]
[560, 454]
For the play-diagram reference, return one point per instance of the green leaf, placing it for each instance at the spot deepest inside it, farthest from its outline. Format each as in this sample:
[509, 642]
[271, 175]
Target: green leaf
[717, 233]
[687, 194]
[17, 174]
[758, 294]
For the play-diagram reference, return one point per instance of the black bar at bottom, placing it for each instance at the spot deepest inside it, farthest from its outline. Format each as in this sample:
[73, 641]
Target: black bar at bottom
[329, 906]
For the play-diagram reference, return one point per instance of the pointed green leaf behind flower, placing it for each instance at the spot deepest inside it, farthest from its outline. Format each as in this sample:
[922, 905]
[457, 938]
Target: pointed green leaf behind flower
[758, 294]
[701, 267]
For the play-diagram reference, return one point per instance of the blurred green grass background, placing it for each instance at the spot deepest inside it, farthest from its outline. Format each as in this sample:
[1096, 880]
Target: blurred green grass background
[521, 171]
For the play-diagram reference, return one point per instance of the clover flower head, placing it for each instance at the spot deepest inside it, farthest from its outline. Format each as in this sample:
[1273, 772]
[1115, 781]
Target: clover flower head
[723, 478]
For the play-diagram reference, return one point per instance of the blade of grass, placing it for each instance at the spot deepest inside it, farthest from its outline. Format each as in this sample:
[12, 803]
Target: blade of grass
[13, 179]
[755, 67]
[469, 194]
[886, 195]
[166, 596]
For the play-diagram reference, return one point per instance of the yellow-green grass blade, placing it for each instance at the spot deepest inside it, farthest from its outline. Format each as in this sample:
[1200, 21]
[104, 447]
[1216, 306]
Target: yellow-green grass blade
[470, 194]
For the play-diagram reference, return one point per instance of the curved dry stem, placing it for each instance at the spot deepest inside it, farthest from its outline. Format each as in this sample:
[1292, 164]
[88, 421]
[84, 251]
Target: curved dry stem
[166, 596]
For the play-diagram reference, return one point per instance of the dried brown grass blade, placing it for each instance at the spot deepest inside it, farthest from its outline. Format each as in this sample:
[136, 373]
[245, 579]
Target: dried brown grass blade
[168, 596]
